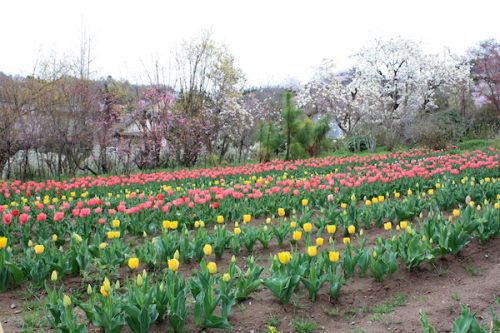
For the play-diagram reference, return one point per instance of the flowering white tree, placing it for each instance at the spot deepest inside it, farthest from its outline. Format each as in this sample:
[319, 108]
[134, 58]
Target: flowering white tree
[328, 93]
[392, 80]
[402, 81]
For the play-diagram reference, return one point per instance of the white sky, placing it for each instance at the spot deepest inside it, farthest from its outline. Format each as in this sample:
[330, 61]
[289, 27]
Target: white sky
[273, 41]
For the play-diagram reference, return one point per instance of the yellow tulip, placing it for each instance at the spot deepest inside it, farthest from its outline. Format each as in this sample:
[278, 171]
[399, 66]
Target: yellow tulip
[397, 194]
[333, 256]
[113, 234]
[368, 203]
[293, 224]
[212, 267]
[226, 277]
[343, 205]
[53, 276]
[284, 257]
[403, 224]
[297, 235]
[387, 226]
[166, 224]
[331, 228]
[307, 227]
[381, 198]
[346, 240]
[78, 238]
[115, 223]
[174, 224]
[351, 229]
[456, 212]
[319, 241]
[53, 237]
[305, 202]
[281, 212]
[39, 249]
[207, 250]
[173, 264]
[133, 263]
[220, 219]
[105, 288]
[103, 245]
[3, 242]
[312, 251]
[237, 231]
[247, 218]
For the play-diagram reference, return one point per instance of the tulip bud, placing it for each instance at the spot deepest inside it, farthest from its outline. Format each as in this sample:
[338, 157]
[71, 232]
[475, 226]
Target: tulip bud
[66, 300]
[139, 281]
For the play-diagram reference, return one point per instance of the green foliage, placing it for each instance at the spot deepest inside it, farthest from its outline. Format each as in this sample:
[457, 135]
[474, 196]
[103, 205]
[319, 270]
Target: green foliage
[424, 323]
[467, 323]
[249, 280]
[302, 135]
[285, 278]
[440, 129]
[10, 273]
[270, 140]
[291, 123]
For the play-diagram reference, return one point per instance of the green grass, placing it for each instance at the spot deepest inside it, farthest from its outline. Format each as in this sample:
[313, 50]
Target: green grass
[473, 271]
[379, 310]
[479, 144]
[273, 320]
[455, 296]
[388, 306]
[304, 326]
[34, 315]
[332, 312]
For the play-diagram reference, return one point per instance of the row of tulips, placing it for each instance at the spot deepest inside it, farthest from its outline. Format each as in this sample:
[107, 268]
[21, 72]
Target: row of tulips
[9, 189]
[448, 191]
[202, 196]
[104, 246]
[211, 294]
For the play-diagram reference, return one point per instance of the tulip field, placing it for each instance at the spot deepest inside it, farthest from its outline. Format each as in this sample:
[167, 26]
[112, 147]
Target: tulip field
[400, 241]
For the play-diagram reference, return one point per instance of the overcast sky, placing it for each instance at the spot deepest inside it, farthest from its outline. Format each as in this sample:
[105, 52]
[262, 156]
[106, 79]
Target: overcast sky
[272, 40]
